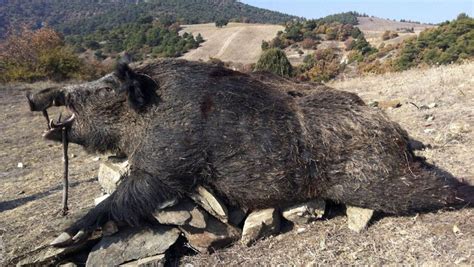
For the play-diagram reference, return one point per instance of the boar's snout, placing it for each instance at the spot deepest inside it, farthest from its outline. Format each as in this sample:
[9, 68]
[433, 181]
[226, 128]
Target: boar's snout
[46, 98]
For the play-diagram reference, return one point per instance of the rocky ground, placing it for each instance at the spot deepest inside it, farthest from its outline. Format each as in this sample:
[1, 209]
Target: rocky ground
[434, 105]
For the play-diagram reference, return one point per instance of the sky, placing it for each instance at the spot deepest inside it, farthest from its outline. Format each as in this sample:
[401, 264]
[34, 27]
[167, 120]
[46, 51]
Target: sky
[428, 11]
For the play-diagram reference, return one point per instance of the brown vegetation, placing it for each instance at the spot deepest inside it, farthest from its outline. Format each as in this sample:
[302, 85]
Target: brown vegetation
[30, 55]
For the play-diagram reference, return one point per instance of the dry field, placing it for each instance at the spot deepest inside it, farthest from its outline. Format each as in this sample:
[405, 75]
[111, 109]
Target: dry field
[30, 196]
[236, 42]
[241, 42]
[373, 29]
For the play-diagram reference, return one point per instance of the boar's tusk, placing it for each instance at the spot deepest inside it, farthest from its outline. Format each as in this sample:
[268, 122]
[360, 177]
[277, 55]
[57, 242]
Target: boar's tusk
[79, 236]
[65, 123]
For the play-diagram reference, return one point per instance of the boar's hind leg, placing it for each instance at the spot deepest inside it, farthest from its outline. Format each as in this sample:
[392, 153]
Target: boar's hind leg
[134, 201]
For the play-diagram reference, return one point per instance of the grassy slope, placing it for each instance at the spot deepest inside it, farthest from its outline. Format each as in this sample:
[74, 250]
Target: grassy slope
[373, 29]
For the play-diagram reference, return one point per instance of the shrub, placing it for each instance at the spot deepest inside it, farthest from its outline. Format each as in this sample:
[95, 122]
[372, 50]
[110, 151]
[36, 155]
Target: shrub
[274, 60]
[31, 55]
[221, 23]
[199, 38]
[387, 35]
[448, 43]
[323, 66]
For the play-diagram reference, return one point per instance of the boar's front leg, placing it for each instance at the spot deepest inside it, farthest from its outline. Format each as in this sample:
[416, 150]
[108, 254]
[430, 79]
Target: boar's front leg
[135, 199]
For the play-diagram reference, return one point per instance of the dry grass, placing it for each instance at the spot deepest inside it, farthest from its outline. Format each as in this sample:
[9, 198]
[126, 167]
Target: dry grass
[373, 29]
[451, 131]
[236, 42]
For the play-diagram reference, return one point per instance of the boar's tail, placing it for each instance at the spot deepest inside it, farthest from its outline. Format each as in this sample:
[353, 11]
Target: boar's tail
[422, 188]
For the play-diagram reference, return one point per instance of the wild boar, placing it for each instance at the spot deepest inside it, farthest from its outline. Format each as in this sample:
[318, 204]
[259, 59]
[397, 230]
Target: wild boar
[256, 141]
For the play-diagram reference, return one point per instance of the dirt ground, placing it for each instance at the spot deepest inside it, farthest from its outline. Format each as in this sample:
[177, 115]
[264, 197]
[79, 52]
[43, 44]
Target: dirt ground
[30, 197]
[236, 42]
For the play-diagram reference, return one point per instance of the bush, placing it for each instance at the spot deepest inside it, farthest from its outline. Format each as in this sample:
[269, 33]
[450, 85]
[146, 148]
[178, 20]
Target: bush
[221, 23]
[274, 60]
[446, 44]
[32, 55]
[387, 35]
[323, 66]
[59, 63]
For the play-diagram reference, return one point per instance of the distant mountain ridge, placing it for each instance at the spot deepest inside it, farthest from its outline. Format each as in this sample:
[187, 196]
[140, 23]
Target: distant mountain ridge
[86, 16]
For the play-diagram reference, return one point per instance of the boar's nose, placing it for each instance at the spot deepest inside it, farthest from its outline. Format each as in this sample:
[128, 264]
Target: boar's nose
[46, 98]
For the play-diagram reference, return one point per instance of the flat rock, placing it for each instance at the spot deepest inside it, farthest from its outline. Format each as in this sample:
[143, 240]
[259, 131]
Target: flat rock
[132, 244]
[111, 173]
[211, 204]
[305, 212]
[154, 261]
[216, 235]
[260, 224]
[358, 218]
[186, 212]
[172, 217]
[100, 199]
[51, 256]
[198, 218]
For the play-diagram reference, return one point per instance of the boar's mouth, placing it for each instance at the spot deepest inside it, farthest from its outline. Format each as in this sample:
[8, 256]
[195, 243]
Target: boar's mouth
[54, 132]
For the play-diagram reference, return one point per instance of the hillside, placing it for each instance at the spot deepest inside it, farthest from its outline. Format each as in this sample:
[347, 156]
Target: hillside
[373, 29]
[237, 42]
[82, 17]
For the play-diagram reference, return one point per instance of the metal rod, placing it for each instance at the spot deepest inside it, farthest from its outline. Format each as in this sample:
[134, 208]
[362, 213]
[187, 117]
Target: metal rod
[66, 172]
[45, 114]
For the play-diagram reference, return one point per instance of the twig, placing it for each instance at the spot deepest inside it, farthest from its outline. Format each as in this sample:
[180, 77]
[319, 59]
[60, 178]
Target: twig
[45, 115]
[66, 172]
[414, 105]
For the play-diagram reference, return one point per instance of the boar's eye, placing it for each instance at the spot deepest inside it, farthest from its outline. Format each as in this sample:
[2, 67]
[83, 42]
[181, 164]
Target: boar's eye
[104, 92]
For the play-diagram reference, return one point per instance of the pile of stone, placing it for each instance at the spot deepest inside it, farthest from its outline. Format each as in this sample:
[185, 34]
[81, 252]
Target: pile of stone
[205, 222]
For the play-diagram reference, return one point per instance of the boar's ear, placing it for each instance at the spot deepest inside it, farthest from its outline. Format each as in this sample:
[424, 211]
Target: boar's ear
[139, 88]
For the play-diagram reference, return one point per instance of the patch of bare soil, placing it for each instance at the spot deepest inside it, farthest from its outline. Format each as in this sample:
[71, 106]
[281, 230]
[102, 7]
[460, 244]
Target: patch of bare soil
[30, 197]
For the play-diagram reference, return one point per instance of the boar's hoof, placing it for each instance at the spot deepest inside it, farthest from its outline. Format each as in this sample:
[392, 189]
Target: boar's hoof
[62, 240]
[81, 235]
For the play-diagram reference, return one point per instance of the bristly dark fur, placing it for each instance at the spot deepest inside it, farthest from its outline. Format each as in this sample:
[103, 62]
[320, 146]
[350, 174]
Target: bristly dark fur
[256, 140]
